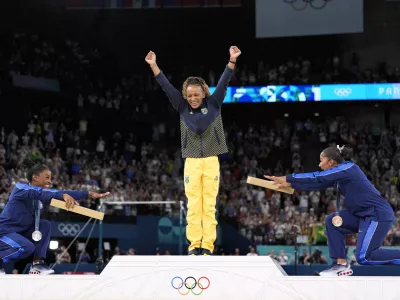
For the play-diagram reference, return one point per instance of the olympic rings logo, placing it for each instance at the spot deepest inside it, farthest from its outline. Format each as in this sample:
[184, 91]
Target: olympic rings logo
[190, 284]
[69, 229]
[343, 92]
[300, 5]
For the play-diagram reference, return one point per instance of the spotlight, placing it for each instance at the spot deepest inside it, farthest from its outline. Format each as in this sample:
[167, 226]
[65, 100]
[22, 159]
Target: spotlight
[53, 245]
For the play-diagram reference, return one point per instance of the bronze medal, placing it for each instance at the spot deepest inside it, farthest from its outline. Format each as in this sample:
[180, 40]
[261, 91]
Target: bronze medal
[337, 221]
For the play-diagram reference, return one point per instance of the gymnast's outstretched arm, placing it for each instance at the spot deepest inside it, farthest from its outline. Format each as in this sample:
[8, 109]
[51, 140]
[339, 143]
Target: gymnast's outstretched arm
[220, 91]
[173, 94]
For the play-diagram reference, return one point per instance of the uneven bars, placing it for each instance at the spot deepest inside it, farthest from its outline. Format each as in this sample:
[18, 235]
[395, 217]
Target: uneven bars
[181, 212]
[138, 202]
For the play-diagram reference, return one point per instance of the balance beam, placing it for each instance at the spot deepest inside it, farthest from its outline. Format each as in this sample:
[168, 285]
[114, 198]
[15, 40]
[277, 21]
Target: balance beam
[269, 185]
[78, 210]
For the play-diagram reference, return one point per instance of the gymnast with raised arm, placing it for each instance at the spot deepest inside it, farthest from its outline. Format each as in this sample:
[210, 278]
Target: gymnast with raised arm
[202, 140]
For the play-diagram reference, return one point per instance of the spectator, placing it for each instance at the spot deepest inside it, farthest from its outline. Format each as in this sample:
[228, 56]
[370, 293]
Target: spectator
[63, 257]
[316, 258]
[84, 257]
[252, 252]
[282, 258]
[131, 251]
[303, 257]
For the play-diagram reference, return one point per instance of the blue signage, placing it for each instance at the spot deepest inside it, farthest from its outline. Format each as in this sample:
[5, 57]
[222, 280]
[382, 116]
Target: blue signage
[302, 93]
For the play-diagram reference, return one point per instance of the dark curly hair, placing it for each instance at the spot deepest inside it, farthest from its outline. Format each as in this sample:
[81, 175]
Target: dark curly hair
[195, 81]
[34, 167]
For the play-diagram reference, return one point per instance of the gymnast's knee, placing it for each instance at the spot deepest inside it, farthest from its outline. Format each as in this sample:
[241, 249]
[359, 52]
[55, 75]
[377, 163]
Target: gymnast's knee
[363, 259]
[27, 249]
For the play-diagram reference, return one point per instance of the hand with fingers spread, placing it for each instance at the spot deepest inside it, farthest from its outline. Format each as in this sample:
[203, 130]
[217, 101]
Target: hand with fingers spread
[98, 195]
[280, 181]
[69, 201]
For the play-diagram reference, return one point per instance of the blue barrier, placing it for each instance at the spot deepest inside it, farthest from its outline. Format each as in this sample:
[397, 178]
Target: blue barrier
[302, 270]
[312, 270]
[148, 234]
[64, 268]
[289, 250]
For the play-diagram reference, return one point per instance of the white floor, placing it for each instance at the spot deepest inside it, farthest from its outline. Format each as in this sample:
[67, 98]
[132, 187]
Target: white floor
[221, 277]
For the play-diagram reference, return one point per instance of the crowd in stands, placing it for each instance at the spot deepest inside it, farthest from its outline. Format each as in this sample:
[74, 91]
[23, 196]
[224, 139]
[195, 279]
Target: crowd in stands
[81, 67]
[268, 217]
[80, 157]
[264, 216]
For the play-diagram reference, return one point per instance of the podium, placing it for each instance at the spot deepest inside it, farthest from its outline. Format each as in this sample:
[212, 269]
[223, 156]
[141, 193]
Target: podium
[196, 277]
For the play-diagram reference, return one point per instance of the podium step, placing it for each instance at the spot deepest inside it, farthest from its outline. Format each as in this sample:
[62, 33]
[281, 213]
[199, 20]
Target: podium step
[205, 277]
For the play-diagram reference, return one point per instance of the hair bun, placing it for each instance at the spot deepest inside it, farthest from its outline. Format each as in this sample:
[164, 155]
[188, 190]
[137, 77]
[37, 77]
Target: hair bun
[344, 152]
[340, 148]
[338, 154]
[30, 162]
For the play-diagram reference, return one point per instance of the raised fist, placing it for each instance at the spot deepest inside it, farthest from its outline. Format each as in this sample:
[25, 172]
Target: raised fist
[234, 52]
[150, 58]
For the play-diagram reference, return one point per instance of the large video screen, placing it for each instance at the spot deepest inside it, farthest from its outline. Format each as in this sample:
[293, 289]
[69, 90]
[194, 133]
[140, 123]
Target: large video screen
[283, 18]
[302, 93]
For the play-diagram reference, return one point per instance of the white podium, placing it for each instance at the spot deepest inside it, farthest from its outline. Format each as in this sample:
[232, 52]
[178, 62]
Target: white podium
[195, 277]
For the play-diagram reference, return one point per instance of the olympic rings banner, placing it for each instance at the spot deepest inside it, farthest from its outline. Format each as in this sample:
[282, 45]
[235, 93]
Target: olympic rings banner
[280, 18]
[190, 285]
[69, 229]
[301, 93]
